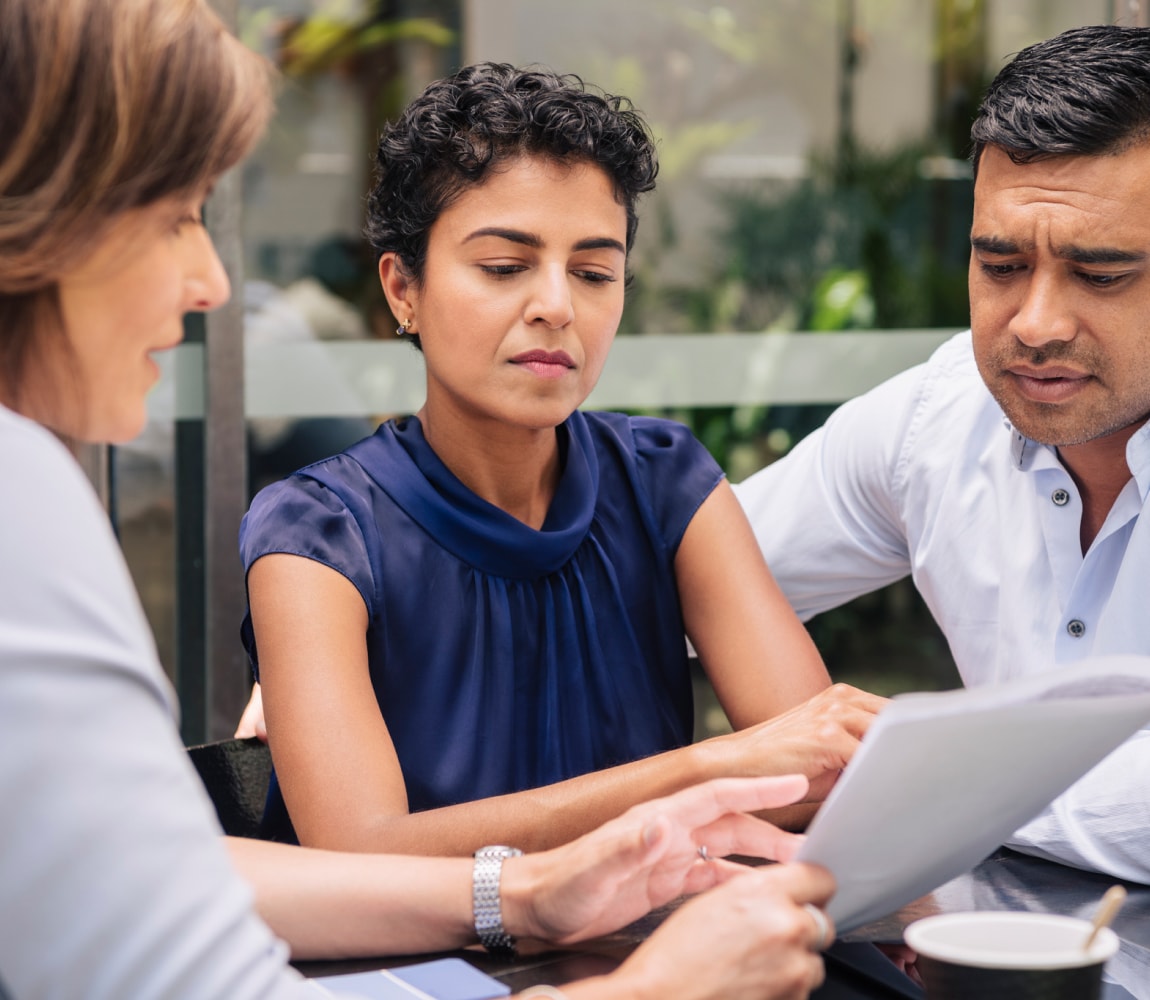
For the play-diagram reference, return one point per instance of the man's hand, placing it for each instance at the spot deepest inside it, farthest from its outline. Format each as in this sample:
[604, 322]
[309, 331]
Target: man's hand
[750, 939]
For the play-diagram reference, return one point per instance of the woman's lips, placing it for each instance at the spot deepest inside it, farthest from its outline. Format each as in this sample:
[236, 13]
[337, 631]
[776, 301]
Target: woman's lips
[153, 361]
[546, 364]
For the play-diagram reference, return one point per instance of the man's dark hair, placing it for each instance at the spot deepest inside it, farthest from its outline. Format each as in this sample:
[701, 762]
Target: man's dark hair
[1085, 92]
[450, 136]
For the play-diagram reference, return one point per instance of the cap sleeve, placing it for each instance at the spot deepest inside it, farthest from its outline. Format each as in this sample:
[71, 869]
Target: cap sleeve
[301, 517]
[675, 472]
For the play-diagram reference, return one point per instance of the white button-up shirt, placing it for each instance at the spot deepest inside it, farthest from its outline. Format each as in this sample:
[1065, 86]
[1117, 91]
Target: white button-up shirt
[922, 475]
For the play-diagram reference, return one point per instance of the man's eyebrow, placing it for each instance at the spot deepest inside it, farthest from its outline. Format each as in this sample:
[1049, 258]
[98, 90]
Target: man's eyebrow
[1078, 255]
[1101, 255]
[997, 245]
[534, 241]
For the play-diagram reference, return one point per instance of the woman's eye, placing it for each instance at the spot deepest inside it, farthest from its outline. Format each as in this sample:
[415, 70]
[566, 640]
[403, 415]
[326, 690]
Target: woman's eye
[191, 219]
[502, 270]
[595, 277]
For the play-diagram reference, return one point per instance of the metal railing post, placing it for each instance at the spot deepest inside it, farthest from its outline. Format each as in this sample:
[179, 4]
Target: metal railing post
[225, 461]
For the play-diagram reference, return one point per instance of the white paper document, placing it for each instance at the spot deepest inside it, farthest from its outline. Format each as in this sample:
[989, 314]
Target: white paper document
[942, 779]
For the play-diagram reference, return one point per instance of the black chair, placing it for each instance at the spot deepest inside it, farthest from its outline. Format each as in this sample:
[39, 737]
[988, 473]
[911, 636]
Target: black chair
[236, 775]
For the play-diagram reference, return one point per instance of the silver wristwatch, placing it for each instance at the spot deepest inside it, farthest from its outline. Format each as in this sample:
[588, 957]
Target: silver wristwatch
[485, 877]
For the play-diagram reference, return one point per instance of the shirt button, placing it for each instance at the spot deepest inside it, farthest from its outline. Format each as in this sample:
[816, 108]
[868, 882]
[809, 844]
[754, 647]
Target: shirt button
[1060, 497]
[1076, 628]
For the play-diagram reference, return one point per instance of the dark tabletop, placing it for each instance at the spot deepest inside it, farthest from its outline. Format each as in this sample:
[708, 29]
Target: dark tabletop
[855, 969]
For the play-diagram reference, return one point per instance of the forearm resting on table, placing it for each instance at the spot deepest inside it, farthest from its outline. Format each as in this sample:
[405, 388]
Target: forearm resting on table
[541, 818]
[330, 905]
[533, 820]
[815, 739]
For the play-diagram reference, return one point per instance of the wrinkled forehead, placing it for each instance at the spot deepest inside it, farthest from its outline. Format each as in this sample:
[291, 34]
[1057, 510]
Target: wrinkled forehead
[1105, 192]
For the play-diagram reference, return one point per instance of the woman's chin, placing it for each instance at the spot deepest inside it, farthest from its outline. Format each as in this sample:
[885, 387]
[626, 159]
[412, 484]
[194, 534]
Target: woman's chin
[118, 429]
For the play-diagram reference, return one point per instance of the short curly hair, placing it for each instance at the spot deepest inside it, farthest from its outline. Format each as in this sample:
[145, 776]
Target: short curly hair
[450, 136]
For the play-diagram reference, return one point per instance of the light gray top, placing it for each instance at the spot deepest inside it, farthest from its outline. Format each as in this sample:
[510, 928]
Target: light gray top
[114, 881]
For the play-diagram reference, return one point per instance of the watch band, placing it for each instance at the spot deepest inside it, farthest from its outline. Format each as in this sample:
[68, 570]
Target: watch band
[485, 905]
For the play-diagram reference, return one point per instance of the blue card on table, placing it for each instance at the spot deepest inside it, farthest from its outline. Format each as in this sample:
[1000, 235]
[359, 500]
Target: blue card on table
[442, 979]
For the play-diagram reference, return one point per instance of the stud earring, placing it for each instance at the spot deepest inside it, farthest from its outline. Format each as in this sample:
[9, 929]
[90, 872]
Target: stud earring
[404, 328]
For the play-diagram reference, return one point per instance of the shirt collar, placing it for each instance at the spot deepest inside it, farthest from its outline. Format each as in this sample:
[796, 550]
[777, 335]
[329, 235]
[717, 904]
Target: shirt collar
[1024, 452]
[1021, 447]
[1138, 458]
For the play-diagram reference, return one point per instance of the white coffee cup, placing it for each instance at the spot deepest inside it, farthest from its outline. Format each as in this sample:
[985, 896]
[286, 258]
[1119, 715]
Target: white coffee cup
[993, 954]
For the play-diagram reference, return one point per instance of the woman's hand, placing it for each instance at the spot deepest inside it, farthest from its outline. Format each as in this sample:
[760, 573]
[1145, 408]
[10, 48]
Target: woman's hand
[816, 739]
[647, 857]
[252, 721]
[750, 938]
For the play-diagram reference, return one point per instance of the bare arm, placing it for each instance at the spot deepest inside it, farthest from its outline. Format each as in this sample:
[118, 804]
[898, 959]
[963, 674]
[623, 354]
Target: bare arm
[755, 652]
[760, 658]
[330, 904]
[334, 904]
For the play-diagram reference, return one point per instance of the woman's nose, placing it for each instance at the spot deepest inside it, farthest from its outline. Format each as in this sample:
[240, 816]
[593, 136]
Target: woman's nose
[206, 280]
[551, 299]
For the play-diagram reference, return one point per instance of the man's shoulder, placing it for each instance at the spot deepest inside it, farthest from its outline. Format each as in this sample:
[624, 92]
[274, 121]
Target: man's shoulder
[923, 418]
[949, 388]
[953, 360]
[939, 396]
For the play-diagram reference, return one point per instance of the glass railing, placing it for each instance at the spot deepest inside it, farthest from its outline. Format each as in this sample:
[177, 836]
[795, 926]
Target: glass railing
[164, 507]
[364, 378]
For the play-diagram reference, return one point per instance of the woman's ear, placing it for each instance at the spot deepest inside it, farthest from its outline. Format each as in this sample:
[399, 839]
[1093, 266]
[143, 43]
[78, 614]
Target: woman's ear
[397, 286]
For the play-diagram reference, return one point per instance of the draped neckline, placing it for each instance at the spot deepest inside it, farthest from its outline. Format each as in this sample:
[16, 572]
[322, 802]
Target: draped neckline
[401, 462]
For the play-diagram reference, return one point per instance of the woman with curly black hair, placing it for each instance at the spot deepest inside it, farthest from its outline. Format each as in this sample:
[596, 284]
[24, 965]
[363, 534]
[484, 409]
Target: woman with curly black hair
[470, 626]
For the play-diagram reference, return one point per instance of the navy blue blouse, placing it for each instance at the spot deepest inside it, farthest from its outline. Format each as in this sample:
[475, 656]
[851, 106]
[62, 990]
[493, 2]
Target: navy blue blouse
[503, 657]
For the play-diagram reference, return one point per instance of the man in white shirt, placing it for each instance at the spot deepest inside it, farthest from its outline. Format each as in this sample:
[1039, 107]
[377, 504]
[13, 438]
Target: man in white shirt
[1007, 475]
